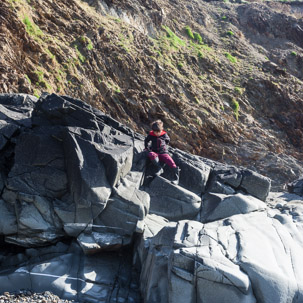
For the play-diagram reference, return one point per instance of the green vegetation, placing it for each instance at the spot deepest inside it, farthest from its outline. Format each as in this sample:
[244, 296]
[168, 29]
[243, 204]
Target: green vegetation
[224, 18]
[41, 81]
[80, 56]
[200, 54]
[197, 100]
[194, 36]
[231, 58]
[174, 40]
[87, 42]
[27, 78]
[230, 33]
[236, 107]
[293, 53]
[32, 29]
[239, 90]
[36, 94]
[189, 32]
[198, 38]
[90, 45]
[180, 65]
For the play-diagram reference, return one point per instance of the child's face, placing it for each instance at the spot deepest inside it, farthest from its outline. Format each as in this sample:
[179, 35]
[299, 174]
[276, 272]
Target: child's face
[157, 133]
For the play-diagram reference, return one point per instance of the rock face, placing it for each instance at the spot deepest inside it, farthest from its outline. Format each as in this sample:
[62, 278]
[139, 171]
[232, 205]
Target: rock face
[82, 216]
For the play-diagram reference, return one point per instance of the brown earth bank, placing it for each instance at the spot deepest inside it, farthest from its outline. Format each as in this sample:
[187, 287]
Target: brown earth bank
[226, 78]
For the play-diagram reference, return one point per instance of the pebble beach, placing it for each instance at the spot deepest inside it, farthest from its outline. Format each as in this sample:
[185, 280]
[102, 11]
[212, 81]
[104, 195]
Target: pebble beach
[31, 297]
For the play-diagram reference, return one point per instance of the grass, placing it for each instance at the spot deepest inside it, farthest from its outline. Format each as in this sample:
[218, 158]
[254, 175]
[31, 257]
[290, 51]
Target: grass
[31, 28]
[180, 65]
[80, 56]
[189, 32]
[41, 81]
[238, 90]
[231, 58]
[174, 40]
[27, 78]
[198, 38]
[236, 107]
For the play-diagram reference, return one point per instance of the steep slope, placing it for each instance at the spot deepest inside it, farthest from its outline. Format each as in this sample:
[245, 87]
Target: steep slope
[225, 78]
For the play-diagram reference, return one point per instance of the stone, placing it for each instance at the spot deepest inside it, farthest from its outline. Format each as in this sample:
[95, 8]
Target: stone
[65, 271]
[219, 206]
[171, 201]
[8, 220]
[296, 187]
[194, 172]
[252, 257]
[255, 184]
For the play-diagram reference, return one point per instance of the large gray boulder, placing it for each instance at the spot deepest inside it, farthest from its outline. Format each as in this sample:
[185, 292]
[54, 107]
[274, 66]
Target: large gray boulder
[254, 257]
[67, 160]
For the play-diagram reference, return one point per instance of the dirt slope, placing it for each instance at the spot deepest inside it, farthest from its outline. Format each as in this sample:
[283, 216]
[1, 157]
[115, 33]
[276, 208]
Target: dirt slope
[226, 78]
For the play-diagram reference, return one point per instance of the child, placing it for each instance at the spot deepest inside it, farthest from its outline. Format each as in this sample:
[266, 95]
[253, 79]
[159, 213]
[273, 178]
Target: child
[158, 150]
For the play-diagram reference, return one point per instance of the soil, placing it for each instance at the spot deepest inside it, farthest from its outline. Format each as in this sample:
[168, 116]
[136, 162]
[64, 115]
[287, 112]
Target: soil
[226, 78]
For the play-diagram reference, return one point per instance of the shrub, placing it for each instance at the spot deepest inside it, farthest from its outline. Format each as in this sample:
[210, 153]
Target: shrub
[230, 33]
[180, 65]
[293, 53]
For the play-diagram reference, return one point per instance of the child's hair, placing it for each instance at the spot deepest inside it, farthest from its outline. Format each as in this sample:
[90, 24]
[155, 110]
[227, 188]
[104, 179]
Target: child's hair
[157, 126]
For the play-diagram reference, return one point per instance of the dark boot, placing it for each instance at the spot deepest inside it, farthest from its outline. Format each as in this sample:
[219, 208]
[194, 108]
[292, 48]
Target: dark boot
[159, 169]
[176, 171]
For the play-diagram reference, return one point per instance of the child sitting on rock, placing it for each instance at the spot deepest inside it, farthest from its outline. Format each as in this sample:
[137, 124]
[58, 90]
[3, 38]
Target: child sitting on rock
[158, 149]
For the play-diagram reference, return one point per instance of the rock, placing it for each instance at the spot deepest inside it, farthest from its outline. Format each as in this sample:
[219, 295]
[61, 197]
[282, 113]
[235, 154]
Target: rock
[17, 108]
[225, 179]
[172, 202]
[115, 226]
[296, 187]
[194, 172]
[86, 174]
[225, 261]
[65, 271]
[220, 206]
[255, 184]
[8, 220]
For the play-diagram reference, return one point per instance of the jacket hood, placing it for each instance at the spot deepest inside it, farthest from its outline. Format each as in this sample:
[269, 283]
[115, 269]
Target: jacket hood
[153, 134]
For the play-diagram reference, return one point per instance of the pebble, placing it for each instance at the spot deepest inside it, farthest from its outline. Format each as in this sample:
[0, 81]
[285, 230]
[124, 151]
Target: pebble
[31, 297]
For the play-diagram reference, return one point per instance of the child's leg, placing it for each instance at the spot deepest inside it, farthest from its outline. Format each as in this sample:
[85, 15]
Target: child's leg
[152, 156]
[166, 158]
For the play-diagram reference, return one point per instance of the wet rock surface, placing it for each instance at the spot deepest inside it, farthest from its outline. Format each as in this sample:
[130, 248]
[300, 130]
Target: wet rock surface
[83, 217]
